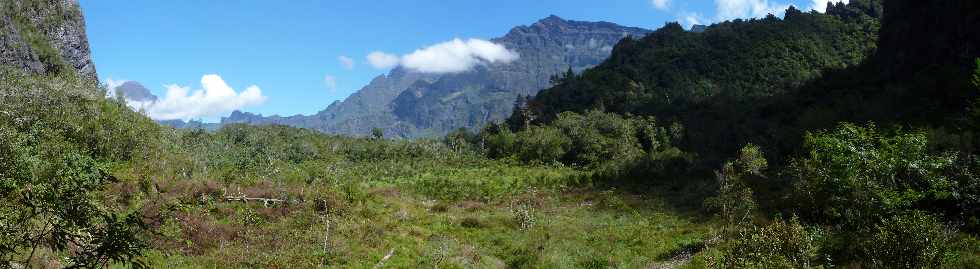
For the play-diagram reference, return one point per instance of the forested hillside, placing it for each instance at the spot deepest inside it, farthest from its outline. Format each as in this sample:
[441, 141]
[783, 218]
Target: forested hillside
[713, 81]
[858, 147]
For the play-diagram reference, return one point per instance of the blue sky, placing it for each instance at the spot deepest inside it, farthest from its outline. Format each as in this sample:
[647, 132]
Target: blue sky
[290, 51]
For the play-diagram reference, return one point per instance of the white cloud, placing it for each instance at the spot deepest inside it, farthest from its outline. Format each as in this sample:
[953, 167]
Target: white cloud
[347, 62]
[215, 99]
[661, 4]
[331, 82]
[689, 19]
[452, 56]
[732, 9]
[381, 60]
[821, 5]
[457, 56]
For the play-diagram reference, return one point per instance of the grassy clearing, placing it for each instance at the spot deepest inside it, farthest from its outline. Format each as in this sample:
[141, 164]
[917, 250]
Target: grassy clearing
[346, 202]
[482, 216]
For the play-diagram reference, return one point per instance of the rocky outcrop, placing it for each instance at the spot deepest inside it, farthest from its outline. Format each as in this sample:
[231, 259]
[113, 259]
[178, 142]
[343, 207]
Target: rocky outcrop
[45, 36]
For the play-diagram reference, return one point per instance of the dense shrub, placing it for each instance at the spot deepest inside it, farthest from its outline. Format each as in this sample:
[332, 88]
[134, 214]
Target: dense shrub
[888, 198]
[58, 137]
[542, 144]
[497, 140]
[780, 244]
[734, 201]
[589, 140]
[911, 240]
[856, 175]
[597, 137]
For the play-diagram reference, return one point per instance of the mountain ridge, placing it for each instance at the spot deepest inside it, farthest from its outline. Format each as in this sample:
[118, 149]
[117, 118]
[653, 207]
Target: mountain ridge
[547, 47]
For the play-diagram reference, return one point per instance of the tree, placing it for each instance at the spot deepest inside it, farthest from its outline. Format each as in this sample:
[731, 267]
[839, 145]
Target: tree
[57, 209]
[522, 115]
[57, 136]
[734, 201]
[563, 77]
[378, 133]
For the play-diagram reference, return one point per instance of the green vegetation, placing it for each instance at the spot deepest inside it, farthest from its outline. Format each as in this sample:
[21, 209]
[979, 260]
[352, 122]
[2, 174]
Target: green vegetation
[55, 165]
[714, 82]
[902, 196]
[666, 156]
[120, 189]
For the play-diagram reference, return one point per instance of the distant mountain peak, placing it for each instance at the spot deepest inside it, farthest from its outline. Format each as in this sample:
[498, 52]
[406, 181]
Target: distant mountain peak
[135, 91]
[552, 20]
[554, 26]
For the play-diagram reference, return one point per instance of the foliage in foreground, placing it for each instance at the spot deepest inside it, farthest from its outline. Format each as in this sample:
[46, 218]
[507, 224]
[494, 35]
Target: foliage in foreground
[875, 198]
[54, 158]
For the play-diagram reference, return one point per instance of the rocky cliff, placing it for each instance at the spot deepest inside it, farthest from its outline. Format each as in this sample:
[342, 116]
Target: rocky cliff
[44, 37]
[406, 103]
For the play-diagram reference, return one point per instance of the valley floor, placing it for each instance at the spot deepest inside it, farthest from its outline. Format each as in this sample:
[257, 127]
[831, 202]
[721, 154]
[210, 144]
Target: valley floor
[484, 217]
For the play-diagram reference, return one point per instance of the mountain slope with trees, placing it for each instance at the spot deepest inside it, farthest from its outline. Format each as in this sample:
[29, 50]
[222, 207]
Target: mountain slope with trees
[710, 81]
[868, 164]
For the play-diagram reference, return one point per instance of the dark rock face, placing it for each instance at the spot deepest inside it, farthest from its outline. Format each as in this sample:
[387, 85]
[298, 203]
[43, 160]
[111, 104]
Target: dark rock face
[44, 37]
[409, 104]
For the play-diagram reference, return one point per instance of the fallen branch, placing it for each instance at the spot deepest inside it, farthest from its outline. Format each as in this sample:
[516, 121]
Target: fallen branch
[244, 199]
[384, 259]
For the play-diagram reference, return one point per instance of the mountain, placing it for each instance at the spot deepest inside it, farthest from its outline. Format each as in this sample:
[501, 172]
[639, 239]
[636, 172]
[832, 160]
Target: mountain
[44, 37]
[132, 90]
[408, 103]
[364, 110]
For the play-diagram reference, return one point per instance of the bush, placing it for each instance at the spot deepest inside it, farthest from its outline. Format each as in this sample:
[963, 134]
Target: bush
[856, 175]
[780, 244]
[590, 140]
[58, 137]
[498, 141]
[913, 240]
[597, 137]
[734, 201]
[542, 145]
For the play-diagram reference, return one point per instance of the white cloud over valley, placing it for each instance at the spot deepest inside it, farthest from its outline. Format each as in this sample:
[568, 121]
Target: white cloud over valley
[452, 56]
[661, 4]
[215, 98]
